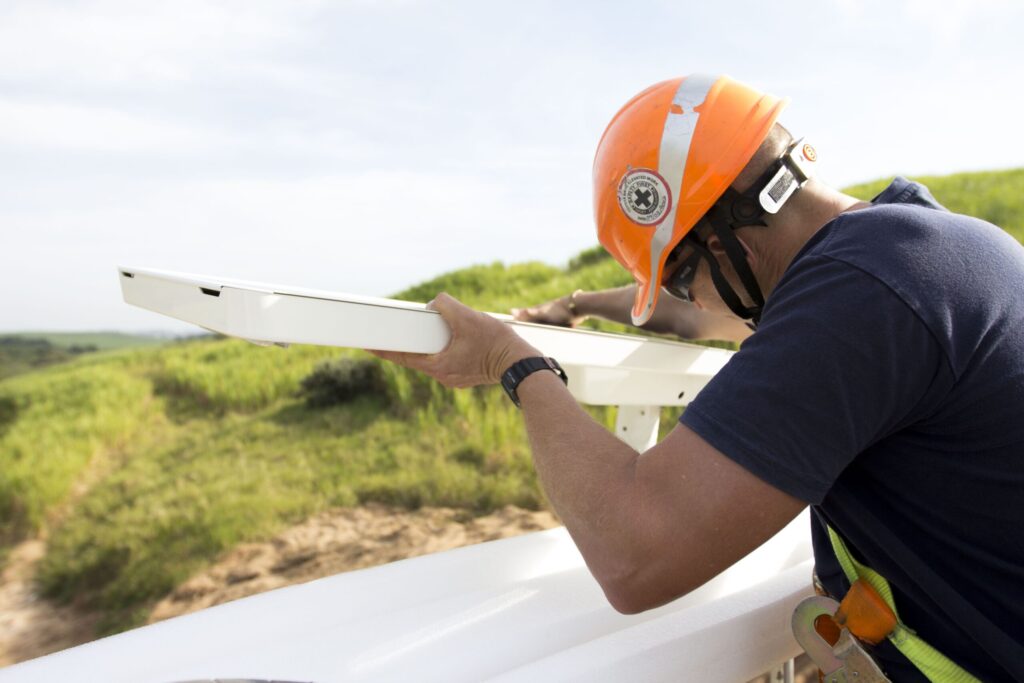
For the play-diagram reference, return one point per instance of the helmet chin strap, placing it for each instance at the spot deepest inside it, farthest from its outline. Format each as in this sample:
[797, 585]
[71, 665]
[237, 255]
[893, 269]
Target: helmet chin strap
[735, 210]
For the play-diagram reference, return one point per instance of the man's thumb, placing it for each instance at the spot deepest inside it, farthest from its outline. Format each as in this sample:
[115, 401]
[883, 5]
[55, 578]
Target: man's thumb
[445, 304]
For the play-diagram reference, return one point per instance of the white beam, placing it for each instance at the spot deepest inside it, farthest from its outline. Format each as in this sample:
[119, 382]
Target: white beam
[603, 369]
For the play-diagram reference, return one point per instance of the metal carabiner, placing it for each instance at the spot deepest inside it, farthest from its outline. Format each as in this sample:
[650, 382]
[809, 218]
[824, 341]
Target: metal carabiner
[844, 662]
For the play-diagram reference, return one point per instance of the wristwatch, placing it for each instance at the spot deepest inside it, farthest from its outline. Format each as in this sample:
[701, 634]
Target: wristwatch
[522, 369]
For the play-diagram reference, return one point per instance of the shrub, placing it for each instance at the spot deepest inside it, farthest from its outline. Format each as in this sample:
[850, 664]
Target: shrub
[214, 377]
[341, 380]
[78, 349]
[470, 456]
[588, 257]
[8, 412]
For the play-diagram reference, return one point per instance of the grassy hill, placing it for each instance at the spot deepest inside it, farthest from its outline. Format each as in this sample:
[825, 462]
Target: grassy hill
[996, 196]
[143, 465]
[25, 351]
[101, 341]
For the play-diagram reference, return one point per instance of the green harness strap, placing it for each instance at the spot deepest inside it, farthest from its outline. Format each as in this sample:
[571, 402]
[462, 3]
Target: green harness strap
[933, 664]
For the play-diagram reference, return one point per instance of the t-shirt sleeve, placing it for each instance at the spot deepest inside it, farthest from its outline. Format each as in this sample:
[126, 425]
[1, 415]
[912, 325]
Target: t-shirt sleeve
[838, 363]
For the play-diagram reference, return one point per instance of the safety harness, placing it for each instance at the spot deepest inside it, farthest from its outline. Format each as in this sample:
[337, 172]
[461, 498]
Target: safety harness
[831, 632]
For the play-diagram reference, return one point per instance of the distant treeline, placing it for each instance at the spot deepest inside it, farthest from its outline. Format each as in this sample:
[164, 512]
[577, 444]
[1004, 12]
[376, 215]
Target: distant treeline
[21, 354]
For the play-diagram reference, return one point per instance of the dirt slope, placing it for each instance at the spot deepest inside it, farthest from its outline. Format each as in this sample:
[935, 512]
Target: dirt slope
[30, 626]
[327, 544]
[340, 541]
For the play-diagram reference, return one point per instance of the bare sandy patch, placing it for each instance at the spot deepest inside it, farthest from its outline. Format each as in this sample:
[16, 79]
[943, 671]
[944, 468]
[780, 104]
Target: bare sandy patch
[29, 625]
[339, 541]
[326, 544]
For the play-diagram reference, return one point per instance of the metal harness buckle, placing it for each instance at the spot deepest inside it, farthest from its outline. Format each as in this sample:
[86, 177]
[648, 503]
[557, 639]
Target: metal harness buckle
[830, 633]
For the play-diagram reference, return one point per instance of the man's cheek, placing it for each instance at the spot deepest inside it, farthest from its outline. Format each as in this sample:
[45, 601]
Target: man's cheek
[703, 292]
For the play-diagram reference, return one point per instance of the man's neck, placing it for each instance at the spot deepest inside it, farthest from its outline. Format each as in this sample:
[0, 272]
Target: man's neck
[807, 212]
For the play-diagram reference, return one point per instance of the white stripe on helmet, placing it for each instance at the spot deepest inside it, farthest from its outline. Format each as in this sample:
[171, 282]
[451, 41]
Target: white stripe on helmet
[672, 156]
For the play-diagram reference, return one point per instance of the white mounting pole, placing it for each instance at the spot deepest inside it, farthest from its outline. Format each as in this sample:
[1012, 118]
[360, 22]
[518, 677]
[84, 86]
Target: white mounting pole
[638, 426]
[783, 673]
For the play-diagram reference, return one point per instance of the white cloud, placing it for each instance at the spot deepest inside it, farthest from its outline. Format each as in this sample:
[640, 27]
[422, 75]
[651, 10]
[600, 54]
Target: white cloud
[99, 129]
[948, 20]
[365, 146]
[111, 42]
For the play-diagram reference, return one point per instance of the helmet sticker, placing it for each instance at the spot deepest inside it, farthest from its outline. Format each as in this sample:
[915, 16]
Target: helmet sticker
[644, 196]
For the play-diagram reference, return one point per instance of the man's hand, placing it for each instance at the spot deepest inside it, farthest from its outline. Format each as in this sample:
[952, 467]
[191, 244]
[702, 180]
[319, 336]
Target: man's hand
[480, 350]
[554, 312]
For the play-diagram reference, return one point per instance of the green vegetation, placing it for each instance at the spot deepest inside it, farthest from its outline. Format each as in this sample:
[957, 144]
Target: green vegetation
[25, 351]
[23, 354]
[193, 490]
[101, 341]
[996, 196]
[145, 464]
[58, 422]
[497, 287]
[343, 380]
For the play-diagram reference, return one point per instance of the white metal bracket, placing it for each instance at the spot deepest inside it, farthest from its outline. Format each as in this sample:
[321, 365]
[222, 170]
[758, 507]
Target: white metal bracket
[638, 426]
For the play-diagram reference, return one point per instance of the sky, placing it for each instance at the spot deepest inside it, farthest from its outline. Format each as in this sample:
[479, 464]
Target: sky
[363, 146]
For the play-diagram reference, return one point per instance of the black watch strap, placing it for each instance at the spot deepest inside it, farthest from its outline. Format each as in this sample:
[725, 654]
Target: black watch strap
[522, 369]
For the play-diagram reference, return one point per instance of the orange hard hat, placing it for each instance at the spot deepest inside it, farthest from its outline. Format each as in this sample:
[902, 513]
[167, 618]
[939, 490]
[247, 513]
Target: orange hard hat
[664, 160]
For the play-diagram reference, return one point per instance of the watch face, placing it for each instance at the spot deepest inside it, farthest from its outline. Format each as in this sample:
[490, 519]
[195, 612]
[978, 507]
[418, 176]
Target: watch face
[510, 380]
[557, 369]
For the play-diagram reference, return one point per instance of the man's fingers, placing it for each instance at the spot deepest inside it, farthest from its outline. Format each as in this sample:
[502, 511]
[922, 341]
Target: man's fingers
[477, 342]
[454, 312]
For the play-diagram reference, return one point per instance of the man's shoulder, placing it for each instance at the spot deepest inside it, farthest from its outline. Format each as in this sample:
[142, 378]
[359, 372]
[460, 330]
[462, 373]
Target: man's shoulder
[889, 227]
[913, 245]
[903, 191]
[943, 267]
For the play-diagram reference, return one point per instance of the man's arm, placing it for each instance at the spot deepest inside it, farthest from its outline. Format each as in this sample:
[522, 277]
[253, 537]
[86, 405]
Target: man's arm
[671, 316]
[651, 526]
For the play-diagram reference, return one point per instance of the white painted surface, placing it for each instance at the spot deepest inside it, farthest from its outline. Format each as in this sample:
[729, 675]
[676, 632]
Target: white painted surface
[520, 609]
[603, 369]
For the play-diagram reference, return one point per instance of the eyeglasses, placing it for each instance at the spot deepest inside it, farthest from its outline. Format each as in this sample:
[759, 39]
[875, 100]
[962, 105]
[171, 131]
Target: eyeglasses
[678, 282]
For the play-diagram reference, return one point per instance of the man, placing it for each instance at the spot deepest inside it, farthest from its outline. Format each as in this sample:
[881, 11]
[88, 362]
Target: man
[883, 386]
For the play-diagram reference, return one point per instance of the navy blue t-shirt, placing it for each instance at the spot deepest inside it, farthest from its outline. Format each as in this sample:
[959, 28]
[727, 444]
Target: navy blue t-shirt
[885, 387]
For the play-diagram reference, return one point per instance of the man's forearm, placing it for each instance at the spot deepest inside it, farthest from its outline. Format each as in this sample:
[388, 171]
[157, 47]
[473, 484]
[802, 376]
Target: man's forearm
[587, 474]
[671, 316]
[610, 304]
[616, 304]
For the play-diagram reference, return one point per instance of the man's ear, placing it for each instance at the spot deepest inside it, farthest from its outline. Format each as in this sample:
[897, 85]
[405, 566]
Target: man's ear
[714, 245]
